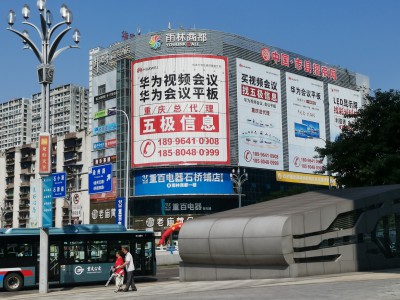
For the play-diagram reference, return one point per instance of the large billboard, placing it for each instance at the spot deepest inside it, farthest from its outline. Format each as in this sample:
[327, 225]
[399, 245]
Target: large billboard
[342, 101]
[305, 122]
[180, 110]
[259, 116]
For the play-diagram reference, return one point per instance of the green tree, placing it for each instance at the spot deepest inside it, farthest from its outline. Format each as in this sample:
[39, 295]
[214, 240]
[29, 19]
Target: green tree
[367, 152]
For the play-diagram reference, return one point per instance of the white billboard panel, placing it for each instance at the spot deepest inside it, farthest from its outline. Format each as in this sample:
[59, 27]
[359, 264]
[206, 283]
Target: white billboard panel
[180, 110]
[259, 116]
[34, 203]
[342, 101]
[306, 122]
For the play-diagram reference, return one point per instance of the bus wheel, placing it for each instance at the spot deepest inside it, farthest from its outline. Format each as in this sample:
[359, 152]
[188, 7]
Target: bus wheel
[13, 282]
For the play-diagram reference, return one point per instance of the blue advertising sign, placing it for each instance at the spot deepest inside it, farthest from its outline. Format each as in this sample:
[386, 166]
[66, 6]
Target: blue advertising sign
[120, 211]
[105, 128]
[183, 181]
[100, 179]
[59, 185]
[47, 202]
[99, 145]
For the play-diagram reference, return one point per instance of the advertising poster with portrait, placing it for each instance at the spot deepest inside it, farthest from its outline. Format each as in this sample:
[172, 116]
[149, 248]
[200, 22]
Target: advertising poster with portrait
[259, 116]
[342, 101]
[180, 110]
[306, 122]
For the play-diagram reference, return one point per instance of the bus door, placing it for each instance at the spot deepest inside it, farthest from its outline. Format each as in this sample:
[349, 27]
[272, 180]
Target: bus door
[143, 258]
[54, 263]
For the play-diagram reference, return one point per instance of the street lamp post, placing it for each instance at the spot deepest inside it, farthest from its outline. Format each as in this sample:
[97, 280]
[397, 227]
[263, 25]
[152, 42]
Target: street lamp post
[127, 164]
[238, 179]
[328, 160]
[70, 198]
[45, 73]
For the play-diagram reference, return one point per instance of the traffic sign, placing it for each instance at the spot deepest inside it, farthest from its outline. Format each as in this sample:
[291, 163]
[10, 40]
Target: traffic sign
[59, 185]
[76, 199]
[100, 179]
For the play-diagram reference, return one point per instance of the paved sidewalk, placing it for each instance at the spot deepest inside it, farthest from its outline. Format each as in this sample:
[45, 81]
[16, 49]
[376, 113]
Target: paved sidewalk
[361, 285]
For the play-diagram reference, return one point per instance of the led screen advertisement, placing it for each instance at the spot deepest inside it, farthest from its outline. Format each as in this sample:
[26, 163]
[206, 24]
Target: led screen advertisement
[259, 116]
[342, 101]
[180, 110]
[182, 182]
[305, 121]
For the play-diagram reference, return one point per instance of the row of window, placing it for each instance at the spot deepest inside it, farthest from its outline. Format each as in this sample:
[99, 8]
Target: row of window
[74, 251]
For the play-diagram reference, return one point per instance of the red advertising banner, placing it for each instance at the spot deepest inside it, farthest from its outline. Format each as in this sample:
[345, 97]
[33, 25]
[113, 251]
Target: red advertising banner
[111, 143]
[44, 153]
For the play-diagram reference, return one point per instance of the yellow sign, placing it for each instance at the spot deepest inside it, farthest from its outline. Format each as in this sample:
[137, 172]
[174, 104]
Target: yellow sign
[305, 178]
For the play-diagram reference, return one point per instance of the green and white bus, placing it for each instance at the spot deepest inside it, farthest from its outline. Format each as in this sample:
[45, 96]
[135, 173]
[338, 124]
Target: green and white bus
[77, 254]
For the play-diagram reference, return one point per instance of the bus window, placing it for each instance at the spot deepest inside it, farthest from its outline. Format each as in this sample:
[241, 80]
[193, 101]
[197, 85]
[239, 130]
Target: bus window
[19, 250]
[137, 256]
[114, 246]
[1, 251]
[97, 251]
[74, 251]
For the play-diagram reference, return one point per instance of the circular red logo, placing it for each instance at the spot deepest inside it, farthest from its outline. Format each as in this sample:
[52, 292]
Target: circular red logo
[248, 156]
[147, 148]
[265, 54]
[296, 161]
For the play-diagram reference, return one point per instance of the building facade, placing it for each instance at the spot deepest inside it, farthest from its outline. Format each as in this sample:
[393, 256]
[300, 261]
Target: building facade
[21, 204]
[69, 110]
[202, 102]
[15, 123]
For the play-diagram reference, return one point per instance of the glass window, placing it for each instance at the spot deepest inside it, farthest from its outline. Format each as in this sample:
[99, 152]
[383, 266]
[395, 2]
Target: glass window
[113, 247]
[97, 251]
[101, 89]
[148, 253]
[19, 250]
[74, 251]
[386, 237]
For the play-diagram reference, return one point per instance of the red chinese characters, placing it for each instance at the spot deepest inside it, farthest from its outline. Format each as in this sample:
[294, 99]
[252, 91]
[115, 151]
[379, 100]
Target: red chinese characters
[299, 64]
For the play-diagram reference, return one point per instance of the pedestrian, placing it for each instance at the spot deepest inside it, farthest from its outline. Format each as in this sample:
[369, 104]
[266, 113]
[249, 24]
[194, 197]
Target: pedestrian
[130, 268]
[119, 271]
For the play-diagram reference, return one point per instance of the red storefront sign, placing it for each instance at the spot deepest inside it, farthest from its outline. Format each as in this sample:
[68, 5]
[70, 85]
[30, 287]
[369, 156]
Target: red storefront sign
[44, 153]
[111, 143]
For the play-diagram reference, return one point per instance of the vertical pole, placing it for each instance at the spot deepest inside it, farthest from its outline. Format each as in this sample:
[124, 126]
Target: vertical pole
[70, 210]
[127, 172]
[48, 110]
[44, 236]
[240, 194]
[329, 172]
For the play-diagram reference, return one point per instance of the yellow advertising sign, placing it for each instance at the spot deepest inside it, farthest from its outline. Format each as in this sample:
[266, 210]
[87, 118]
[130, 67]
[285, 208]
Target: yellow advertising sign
[305, 178]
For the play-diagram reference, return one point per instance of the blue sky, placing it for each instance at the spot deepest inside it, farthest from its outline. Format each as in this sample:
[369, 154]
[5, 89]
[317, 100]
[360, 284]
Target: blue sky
[362, 36]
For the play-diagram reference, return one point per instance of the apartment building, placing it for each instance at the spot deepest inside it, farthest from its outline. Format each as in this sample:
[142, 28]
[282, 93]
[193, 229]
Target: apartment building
[15, 123]
[70, 153]
[69, 110]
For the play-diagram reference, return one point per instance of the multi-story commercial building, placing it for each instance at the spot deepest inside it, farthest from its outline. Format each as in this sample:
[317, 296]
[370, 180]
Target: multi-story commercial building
[202, 102]
[15, 123]
[70, 153]
[69, 110]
